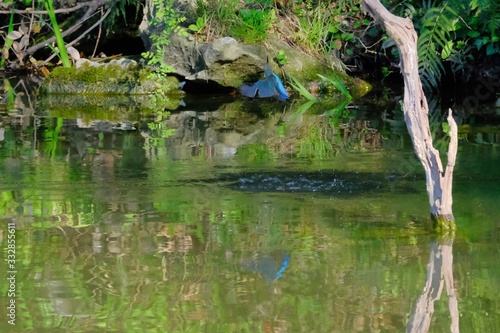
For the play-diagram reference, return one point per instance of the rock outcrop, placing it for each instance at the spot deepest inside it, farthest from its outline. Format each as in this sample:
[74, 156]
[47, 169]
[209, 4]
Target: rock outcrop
[228, 63]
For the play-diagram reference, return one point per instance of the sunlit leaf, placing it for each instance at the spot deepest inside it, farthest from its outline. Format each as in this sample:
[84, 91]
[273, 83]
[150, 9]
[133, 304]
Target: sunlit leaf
[301, 89]
[447, 49]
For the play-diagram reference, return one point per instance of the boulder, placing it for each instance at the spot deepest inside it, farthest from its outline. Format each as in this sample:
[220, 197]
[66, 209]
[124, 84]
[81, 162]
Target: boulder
[224, 61]
[229, 63]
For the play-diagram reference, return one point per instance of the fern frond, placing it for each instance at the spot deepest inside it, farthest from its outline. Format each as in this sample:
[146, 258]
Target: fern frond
[436, 27]
[492, 12]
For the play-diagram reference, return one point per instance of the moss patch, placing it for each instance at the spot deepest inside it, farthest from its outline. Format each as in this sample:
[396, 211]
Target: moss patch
[119, 77]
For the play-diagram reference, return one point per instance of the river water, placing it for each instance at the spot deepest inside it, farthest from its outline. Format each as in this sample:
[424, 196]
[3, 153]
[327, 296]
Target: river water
[225, 218]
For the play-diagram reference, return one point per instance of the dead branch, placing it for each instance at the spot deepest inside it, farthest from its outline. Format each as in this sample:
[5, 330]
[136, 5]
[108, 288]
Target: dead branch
[99, 22]
[29, 11]
[92, 6]
[415, 109]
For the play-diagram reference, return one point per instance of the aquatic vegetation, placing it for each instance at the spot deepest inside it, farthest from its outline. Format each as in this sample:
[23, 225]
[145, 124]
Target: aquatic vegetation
[299, 87]
[328, 82]
[337, 83]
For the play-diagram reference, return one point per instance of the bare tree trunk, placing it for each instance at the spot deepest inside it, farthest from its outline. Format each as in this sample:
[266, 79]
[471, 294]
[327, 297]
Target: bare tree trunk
[439, 181]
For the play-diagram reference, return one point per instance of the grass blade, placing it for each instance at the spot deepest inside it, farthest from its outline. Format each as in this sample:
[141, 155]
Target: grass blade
[301, 89]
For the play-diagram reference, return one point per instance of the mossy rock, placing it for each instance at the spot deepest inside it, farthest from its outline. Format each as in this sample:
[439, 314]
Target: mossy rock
[228, 63]
[118, 77]
[105, 107]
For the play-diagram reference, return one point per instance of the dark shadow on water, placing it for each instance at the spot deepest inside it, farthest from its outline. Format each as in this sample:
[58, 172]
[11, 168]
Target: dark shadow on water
[324, 182]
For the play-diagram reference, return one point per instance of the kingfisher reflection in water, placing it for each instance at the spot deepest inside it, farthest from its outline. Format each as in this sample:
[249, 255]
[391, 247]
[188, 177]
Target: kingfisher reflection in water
[270, 265]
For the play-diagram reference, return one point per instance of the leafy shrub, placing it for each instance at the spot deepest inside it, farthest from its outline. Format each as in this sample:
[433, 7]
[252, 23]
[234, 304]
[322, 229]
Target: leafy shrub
[453, 31]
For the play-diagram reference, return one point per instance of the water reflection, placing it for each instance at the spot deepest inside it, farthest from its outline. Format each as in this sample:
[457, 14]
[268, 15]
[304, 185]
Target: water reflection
[439, 276]
[239, 221]
[270, 265]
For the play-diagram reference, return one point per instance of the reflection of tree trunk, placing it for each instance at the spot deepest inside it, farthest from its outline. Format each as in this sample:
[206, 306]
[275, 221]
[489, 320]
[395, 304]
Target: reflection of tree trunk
[439, 181]
[440, 270]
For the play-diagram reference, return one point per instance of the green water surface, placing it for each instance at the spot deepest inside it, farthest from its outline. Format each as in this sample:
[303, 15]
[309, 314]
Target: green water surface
[223, 228]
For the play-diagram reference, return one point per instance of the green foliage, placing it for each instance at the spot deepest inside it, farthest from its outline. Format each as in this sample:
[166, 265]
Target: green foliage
[199, 26]
[436, 27]
[301, 89]
[8, 41]
[323, 27]
[334, 82]
[120, 11]
[250, 22]
[281, 57]
[9, 97]
[335, 109]
[254, 153]
[218, 15]
[485, 25]
[314, 26]
[337, 83]
[256, 20]
[451, 31]
[446, 128]
[170, 20]
[62, 54]
[254, 24]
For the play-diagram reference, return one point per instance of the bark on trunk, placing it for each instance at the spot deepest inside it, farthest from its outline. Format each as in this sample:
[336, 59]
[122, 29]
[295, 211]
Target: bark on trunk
[439, 181]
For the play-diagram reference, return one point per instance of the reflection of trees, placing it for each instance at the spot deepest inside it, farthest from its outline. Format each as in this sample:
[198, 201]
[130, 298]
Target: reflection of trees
[439, 275]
